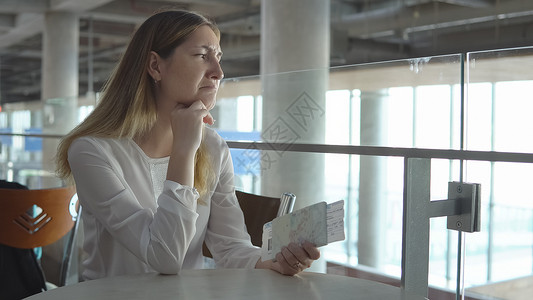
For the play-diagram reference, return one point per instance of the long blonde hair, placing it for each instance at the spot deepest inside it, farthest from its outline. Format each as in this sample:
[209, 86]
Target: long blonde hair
[127, 107]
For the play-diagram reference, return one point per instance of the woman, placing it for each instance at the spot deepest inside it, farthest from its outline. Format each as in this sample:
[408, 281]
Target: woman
[153, 181]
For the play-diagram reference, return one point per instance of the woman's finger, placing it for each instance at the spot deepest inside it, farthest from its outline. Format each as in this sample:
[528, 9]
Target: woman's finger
[284, 267]
[290, 258]
[311, 249]
[208, 119]
[300, 254]
[199, 107]
[198, 104]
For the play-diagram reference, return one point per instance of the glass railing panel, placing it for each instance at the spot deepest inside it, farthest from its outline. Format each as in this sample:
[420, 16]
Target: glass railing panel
[498, 259]
[408, 103]
[49, 117]
[500, 85]
[404, 103]
[21, 160]
[30, 133]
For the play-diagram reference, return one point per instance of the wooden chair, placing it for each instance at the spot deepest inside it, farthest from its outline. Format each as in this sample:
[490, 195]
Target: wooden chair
[259, 210]
[36, 218]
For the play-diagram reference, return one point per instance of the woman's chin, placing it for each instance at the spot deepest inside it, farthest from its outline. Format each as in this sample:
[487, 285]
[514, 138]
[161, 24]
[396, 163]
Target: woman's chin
[209, 104]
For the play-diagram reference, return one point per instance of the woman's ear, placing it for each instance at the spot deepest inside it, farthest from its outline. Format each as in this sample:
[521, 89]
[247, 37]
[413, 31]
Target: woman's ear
[154, 67]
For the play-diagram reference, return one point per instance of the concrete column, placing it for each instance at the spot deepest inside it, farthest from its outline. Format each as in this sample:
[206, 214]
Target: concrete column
[59, 96]
[59, 78]
[372, 179]
[294, 36]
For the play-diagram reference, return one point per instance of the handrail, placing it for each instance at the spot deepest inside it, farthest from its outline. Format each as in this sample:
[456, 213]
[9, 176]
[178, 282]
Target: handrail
[56, 136]
[476, 155]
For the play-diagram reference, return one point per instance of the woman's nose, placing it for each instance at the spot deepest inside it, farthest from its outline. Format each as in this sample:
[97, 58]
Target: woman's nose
[217, 72]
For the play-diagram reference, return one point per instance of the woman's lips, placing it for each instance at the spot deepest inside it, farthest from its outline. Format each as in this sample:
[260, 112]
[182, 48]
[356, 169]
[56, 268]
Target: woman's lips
[209, 87]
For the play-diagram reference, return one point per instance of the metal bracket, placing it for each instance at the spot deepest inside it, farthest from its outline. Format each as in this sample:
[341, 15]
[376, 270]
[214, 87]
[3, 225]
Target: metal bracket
[468, 195]
[462, 208]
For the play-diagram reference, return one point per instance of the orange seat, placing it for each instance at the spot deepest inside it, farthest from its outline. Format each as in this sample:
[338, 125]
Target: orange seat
[20, 229]
[37, 218]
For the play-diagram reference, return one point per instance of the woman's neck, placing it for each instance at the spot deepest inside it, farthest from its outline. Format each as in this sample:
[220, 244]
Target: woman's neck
[157, 142]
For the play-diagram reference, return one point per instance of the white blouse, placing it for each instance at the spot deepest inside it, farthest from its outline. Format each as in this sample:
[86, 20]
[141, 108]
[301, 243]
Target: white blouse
[135, 221]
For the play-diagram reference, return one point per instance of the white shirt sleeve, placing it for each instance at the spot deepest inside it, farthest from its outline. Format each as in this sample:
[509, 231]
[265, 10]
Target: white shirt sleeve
[160, 239]
[226, 235]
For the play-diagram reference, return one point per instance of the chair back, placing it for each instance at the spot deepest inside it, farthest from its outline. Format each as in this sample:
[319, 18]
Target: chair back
[257, 211]
[55, 215]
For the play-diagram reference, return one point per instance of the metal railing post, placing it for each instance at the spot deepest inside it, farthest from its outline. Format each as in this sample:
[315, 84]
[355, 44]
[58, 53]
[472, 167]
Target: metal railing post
[462, 208]
[415, 231]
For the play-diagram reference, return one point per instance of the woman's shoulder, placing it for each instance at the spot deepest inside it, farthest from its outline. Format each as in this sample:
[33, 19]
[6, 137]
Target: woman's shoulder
[100, 144]
[213, 139]
[103, 141]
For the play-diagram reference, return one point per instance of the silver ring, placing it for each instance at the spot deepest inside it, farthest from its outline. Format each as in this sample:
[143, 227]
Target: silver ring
[298, 266]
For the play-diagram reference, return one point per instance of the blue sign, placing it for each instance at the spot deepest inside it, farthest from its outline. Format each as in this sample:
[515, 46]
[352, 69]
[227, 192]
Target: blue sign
[33, 144]
[6, 139]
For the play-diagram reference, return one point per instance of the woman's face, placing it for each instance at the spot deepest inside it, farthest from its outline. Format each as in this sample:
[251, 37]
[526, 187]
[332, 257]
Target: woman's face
[192, 72]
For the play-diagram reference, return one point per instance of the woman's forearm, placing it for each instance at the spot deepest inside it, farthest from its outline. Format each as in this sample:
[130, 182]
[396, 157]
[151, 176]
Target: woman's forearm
[181, 169]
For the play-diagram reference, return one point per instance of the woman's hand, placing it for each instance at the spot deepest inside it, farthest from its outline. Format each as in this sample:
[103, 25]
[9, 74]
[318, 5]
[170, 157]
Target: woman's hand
[187, 135]
[187, 126]
[293, 259]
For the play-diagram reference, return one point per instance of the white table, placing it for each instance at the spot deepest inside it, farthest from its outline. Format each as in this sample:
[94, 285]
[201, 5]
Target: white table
[227, 284]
